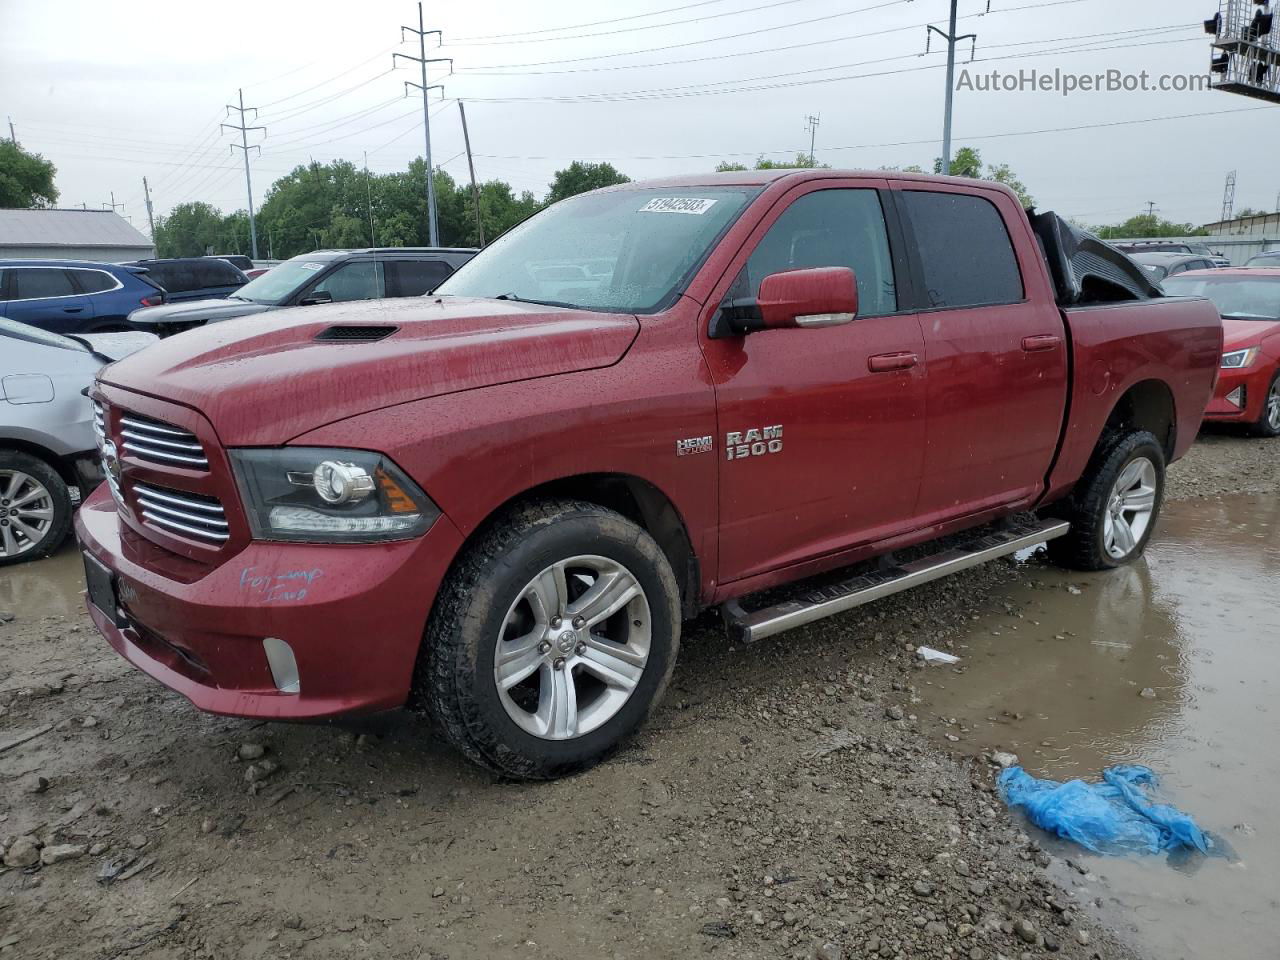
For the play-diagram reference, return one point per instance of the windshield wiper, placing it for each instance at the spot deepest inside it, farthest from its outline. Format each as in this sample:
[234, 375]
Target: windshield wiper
[542, 303]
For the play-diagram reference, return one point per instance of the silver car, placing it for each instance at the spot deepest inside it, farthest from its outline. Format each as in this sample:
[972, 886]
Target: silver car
[48, 458]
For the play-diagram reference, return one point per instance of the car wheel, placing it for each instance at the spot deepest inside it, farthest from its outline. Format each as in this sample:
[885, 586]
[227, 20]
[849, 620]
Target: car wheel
[1114, 508]
[551, 640]
[35, 508]
[1268, 424]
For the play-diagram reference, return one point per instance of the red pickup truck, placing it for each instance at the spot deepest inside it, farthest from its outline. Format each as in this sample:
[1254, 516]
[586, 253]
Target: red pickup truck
[783, 393]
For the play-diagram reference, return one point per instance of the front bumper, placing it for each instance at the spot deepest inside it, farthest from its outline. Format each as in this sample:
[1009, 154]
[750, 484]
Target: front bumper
[1254, 380]
[353, 616]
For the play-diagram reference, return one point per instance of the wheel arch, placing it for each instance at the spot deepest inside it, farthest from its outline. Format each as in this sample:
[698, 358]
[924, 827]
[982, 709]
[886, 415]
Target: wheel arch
[62, 465]
[1146, 405]
[637, 499]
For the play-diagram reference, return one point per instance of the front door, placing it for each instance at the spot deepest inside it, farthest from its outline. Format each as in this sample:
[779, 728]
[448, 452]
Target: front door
[821, 430]
[46, 297]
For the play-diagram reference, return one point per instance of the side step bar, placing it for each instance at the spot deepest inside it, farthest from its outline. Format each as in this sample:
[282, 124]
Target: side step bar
[838, 597]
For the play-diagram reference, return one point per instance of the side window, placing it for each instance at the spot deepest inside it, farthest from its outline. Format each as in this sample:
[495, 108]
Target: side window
[30, 283]
[965, 250]
[218, 273]
[357, 280]
[4, 278]
[413, 278]
[832, 228]
[94, 281]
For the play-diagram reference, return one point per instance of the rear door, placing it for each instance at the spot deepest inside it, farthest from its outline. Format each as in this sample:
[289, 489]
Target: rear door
[413, 278]
[995, 348]
[821, 431]
[47, 297]
[353, 280]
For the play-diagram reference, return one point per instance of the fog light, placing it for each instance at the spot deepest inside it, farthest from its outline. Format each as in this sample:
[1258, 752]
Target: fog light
[1236, 397]
[284, 667]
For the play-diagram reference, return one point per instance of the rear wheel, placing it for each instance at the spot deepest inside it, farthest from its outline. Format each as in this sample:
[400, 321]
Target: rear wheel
[1114, 508]
[1268, 424]
[552, 640]
[35, 508]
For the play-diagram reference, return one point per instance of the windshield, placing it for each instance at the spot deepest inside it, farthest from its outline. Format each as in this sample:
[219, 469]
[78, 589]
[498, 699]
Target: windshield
[21, 331]
[278, 284]
[624, 251]
[1248, 298]
[1155, 272]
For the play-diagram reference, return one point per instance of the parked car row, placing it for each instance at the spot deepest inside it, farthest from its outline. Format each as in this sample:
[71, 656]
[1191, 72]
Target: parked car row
[168, 296]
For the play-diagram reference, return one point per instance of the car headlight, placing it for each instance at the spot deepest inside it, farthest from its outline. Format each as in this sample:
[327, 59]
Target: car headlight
[1238, 359]
[320, 494]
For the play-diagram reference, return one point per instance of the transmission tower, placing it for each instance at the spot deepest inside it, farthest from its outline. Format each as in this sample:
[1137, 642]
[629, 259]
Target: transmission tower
[812, 123]
[246, 147]
[1229, 196]
[421, 32]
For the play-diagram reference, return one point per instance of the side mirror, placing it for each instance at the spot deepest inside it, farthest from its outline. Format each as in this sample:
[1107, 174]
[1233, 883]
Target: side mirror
[804, 299]
[317, 296]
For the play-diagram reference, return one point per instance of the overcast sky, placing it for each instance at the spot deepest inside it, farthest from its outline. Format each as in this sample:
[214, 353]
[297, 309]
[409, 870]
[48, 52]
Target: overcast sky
[114, 91]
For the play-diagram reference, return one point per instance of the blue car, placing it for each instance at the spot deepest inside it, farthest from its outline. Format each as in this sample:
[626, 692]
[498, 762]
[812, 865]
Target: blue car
[75, 296]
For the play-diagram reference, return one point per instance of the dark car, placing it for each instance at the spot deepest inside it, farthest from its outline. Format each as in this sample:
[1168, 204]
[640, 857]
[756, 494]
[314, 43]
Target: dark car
[326, 276]
[75, 296]
[1268, 258]
[1161, 265]
[241, 263]
[193, 278]
[1175, 246]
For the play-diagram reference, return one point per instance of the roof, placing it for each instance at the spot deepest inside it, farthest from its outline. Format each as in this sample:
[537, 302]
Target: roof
[1161, 257]
[68, 228]
[758, 178]
[1252, 273]
[61, 262]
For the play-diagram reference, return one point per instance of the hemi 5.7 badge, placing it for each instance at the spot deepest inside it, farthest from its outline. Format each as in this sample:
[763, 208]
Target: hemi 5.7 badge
[692, 445]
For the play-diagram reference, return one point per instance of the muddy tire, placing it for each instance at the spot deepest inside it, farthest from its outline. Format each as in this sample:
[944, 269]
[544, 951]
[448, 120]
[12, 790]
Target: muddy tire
[552, 639]
[35, 508]
[1114, 508]
[1268, 424]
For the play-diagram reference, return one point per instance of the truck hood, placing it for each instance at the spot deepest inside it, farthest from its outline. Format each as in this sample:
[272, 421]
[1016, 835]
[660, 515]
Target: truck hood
[194, 311]
[1238, 334]
[264, 383]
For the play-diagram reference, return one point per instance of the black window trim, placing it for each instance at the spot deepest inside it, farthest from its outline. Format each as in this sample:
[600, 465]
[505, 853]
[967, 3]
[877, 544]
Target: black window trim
[919, 288]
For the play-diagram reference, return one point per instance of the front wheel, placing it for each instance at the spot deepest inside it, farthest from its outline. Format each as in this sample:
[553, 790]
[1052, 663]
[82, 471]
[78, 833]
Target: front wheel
[552, 639]
[35, 508]
[1268, 424]
[1113, 509]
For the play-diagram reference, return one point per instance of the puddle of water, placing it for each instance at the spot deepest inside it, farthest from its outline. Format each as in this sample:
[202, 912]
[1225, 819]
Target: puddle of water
[53, 587]
[1196, 622]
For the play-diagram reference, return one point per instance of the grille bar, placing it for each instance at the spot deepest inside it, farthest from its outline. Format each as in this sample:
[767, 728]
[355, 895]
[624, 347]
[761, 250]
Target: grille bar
[100, 433]
[161, 443]
[202, 518]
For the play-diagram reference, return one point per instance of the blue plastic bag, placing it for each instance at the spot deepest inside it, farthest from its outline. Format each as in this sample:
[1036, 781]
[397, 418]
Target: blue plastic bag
[1115, 817]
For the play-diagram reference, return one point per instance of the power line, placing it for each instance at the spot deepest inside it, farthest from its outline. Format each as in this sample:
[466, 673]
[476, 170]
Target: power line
[593, 23]
[649, 26]
[293, 96]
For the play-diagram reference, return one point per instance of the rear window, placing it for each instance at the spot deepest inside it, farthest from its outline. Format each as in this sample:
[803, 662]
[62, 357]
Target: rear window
[36, 283]
[413, 278]
[965, 250]
[241, 263]
[180, 276]
[95, 281]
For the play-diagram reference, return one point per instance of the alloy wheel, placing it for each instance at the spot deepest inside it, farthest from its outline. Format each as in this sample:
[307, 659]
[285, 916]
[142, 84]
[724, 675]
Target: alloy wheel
[26, 513]
[573, 647]
[1273, 406]
[1130, 508]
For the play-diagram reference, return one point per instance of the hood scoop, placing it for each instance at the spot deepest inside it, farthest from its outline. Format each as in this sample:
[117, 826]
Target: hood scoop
[356, 333]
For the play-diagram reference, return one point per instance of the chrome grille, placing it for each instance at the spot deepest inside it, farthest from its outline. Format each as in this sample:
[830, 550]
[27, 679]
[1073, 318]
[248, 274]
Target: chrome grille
[187, 514]
[105, 447]
[162, 443]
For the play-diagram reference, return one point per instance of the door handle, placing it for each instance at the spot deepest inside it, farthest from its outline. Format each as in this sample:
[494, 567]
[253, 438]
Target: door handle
[887, 362]
[1047, 341]
[73, 309]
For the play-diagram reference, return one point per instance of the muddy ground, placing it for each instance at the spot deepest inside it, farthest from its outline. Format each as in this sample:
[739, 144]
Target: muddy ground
[796, 798]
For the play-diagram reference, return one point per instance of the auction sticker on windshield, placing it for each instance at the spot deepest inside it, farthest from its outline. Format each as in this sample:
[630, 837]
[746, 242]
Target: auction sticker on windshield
[693, 205]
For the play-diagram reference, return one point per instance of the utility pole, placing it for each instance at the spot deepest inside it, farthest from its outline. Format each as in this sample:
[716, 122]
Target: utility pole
[475, 191]
[812, 123]
[1151, 208]
[244, 145]
[112, 205]
[952, 40]
[433, 231]
[373, 241]
[151, 220]
[13, 137]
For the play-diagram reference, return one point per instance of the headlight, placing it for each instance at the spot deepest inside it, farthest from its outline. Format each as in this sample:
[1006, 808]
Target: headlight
[1238, 359]
[324, 495]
